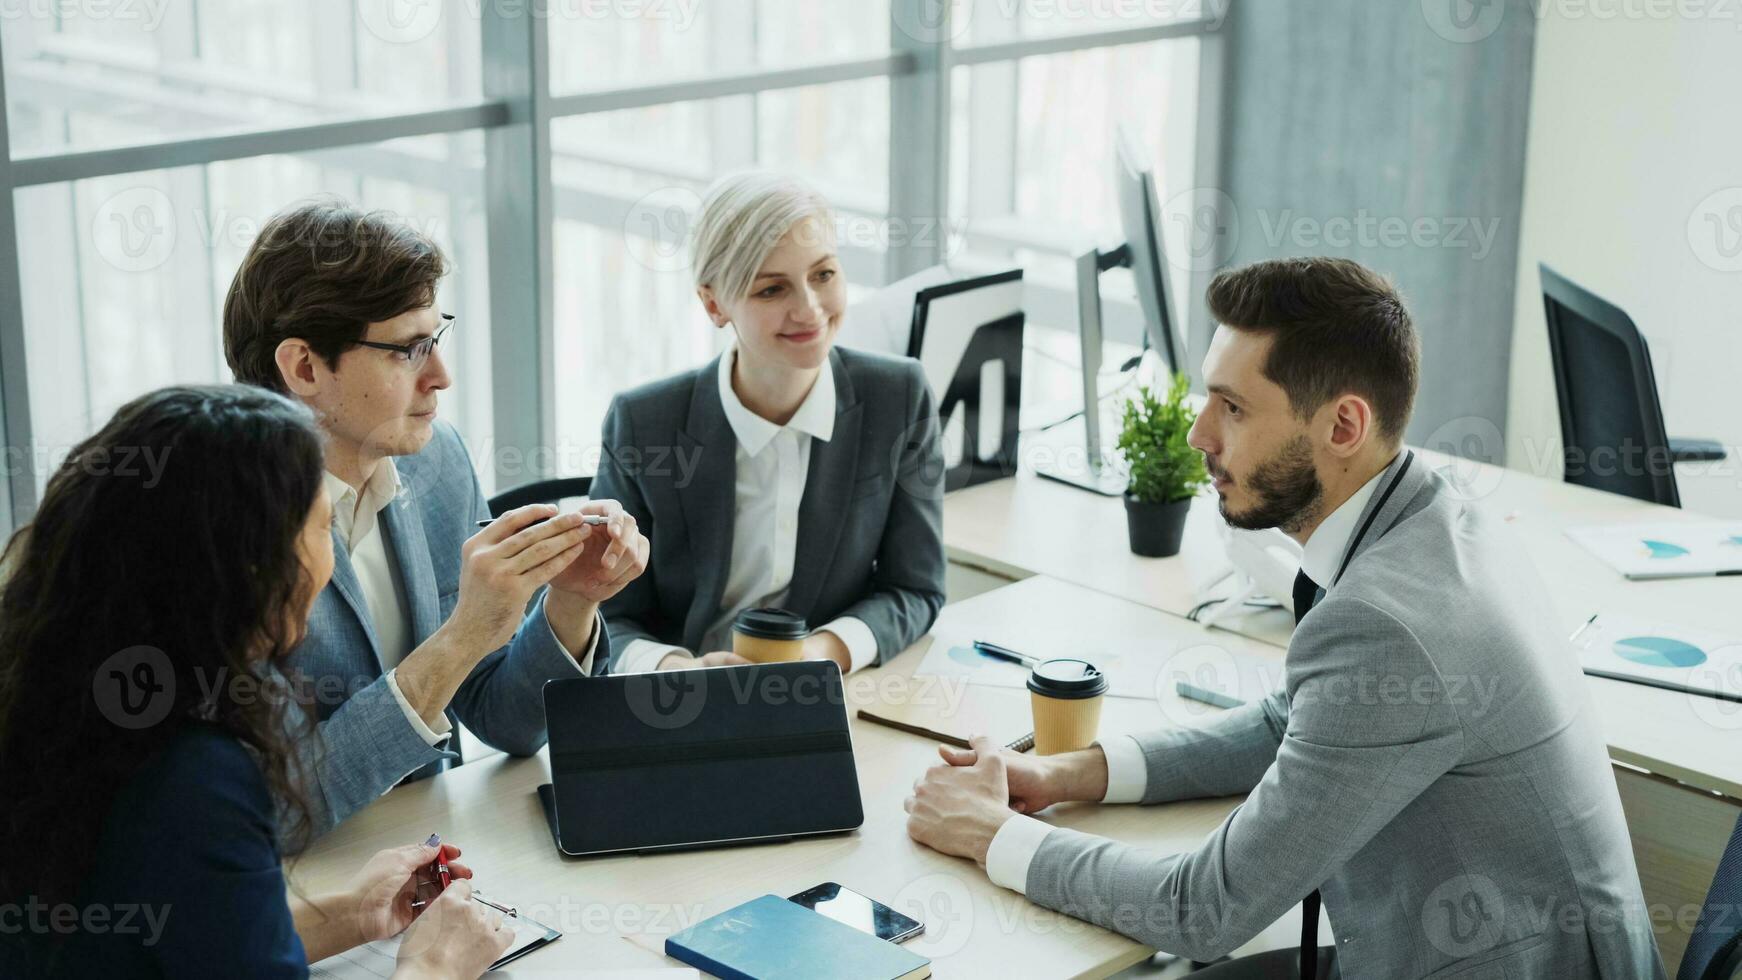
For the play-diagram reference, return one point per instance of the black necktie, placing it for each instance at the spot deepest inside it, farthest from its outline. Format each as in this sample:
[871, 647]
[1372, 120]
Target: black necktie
[1306, 594]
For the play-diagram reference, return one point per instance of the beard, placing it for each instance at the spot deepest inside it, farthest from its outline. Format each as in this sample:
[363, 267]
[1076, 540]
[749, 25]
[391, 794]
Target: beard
[1287, 487]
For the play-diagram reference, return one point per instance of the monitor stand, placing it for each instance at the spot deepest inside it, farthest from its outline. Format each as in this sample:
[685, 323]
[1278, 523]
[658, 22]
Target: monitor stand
[1063, 454]
[1080, 456]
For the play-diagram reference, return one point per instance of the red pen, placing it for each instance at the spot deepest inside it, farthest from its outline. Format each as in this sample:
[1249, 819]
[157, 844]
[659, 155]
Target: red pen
[441, 866]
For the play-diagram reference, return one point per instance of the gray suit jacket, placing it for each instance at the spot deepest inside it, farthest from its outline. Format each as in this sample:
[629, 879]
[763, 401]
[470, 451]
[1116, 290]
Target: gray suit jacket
[1432, 766]
[870, 526]
[365, 744]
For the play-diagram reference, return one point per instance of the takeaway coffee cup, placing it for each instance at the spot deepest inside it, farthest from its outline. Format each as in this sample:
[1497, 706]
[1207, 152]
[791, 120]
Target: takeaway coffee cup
[1066, 697]
[769, 635]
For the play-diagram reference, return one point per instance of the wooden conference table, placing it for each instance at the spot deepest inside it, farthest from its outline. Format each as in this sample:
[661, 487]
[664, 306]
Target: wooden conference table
[1066, 581]
[974, 929]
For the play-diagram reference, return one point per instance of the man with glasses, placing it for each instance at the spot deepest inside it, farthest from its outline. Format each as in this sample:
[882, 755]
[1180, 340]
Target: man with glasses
[426, 620]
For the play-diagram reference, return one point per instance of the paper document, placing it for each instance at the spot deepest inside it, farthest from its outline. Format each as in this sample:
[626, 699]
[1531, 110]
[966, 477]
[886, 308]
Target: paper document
[1666, 550]
[1661, 655]
[378, 959]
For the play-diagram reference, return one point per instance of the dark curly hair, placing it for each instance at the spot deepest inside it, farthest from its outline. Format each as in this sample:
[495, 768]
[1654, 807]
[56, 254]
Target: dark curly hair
[175, 528]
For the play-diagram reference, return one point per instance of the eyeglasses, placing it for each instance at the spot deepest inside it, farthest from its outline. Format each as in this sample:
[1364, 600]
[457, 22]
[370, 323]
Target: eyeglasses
[416, 354]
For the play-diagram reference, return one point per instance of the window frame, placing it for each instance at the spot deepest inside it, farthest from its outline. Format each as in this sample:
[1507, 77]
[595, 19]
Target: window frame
[521, 203]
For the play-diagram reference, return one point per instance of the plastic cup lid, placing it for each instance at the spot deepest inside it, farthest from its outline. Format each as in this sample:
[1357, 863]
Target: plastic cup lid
[1067, 678]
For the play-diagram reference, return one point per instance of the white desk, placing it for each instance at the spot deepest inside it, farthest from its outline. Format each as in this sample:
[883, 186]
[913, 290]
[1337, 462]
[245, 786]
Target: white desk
[1028, 525]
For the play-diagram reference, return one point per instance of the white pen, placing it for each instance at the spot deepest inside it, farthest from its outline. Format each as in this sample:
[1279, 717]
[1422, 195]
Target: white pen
[504, 909]
[593, 520]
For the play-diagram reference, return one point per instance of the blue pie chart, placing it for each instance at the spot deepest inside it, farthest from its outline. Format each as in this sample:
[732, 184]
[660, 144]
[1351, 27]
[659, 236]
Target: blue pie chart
[1664, 549]
[970, 657]
[1659, 651]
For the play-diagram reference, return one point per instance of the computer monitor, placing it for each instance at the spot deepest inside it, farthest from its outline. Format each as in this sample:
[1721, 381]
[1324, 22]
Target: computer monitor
[1098, 468]
[1140, 218]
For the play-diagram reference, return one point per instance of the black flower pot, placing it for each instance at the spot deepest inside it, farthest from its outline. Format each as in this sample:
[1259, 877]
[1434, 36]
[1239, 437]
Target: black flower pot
[1156, 529]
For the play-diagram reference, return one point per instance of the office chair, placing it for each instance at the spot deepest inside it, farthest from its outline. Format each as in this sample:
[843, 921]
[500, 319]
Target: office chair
[1611, 421]
[1715, 949]
[540, 492]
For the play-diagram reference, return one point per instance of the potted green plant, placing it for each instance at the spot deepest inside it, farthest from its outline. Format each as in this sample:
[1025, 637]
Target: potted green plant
[1165, 472]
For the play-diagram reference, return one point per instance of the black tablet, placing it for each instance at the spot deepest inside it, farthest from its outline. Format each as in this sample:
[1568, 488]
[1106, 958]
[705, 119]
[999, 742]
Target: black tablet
[699, 758]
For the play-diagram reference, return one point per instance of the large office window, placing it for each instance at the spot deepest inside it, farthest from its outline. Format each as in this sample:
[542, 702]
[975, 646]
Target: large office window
[146, 143]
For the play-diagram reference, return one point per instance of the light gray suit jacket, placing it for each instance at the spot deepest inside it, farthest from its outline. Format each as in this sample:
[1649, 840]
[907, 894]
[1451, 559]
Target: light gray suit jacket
[1432, 765]
[364, 744]
[870, 524]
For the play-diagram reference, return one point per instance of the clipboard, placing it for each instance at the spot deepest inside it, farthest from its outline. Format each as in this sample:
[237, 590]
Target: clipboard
[377, 960]
[954, 726]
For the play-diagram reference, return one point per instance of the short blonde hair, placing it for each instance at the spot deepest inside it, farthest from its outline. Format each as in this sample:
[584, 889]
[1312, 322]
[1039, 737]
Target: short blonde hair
[743, 217]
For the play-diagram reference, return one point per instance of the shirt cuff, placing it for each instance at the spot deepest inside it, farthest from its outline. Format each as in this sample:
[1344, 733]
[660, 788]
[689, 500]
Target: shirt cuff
[1127, 772]
[1012, 850]
[861, 644]
[582, 664]
[431, 736]
[643, 656]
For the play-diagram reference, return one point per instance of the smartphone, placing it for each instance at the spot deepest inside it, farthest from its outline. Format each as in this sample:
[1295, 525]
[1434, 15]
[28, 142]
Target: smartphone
[866, 915]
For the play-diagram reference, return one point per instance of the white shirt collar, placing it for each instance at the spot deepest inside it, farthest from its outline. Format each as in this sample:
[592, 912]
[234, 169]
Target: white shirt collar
[1323, 553]
[815, 415]
[354, 513]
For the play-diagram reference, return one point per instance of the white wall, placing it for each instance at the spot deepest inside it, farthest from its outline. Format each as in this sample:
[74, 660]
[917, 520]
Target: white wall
[1633, 188]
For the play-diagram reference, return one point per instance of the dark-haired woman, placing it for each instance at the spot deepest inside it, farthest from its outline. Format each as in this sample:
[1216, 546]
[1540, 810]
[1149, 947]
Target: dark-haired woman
[175, 553]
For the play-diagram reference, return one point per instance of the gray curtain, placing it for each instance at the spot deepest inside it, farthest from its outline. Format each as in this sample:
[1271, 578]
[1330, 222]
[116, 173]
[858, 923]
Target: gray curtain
[1391, 132]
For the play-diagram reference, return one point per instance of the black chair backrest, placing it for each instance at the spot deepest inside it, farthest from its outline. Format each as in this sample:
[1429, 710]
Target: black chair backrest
[1715, 949]
[1611, 422]
[540, 492]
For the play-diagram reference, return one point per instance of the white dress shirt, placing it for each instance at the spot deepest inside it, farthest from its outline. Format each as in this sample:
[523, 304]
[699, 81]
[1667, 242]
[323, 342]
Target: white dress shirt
[356, 518]
[1014, 846]
[773, 462]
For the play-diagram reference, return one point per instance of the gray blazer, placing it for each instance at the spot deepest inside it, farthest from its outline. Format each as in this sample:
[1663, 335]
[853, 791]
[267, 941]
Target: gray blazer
[365, 745]
[1432, 765]
[870, 526]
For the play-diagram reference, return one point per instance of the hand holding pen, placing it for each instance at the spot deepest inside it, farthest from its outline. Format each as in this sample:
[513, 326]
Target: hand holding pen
[440, 872]
[396, 885]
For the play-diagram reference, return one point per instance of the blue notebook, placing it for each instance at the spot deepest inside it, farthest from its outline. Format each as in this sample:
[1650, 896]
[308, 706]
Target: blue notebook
[771, 938]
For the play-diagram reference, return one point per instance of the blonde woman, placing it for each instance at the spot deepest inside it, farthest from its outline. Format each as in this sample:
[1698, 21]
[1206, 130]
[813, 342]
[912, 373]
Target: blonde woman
[786, 473]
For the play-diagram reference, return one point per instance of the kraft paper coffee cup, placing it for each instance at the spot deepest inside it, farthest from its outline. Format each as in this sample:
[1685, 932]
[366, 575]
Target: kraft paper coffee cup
[769, 635]
[1066, 697]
